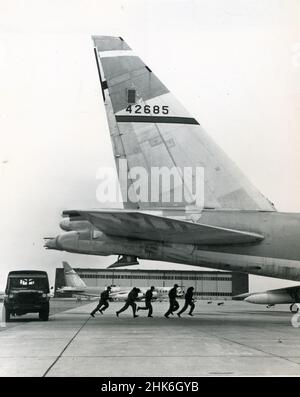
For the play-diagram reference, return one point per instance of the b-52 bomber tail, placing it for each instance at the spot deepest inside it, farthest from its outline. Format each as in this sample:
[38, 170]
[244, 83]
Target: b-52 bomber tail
[225, 224]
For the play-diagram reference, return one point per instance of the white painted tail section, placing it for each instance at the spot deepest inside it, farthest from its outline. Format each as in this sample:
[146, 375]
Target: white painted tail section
[71, 277]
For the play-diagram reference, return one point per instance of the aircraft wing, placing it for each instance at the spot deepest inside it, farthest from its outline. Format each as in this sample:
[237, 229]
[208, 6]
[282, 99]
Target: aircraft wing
[293, 292]
[144, 226]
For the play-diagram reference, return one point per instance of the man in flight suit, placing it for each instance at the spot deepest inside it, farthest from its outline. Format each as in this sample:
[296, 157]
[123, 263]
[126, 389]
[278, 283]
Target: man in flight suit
[188, 301]
[148, 305]
[102, 302]
[132, 297]
[174, 305]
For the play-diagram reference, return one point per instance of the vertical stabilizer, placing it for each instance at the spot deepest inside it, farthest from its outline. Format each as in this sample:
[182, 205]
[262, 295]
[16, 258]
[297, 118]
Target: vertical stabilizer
[150, 128]
[71, 277]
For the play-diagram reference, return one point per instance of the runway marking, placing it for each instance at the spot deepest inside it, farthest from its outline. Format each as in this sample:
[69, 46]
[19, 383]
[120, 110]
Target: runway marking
[65, 348]
[174, 356]
[259, 350]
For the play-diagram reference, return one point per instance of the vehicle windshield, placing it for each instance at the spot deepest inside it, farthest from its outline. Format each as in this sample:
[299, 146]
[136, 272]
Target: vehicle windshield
[32, 283]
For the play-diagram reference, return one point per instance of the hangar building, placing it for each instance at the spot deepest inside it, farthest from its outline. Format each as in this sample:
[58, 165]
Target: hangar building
[207, 284]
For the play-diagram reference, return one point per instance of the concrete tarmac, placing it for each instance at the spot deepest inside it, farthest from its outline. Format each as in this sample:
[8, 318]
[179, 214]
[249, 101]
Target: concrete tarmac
[234, 339]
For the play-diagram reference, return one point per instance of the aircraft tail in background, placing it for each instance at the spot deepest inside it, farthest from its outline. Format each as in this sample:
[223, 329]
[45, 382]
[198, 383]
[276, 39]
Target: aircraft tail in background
[72, 279]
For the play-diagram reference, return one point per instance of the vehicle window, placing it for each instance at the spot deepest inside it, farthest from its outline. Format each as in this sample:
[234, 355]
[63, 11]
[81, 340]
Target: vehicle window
[28, 283]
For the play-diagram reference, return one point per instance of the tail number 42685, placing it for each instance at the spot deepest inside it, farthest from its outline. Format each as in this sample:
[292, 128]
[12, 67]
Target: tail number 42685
[147, 109]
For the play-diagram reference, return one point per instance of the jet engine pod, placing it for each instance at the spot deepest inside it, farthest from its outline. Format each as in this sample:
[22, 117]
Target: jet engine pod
[269, 298]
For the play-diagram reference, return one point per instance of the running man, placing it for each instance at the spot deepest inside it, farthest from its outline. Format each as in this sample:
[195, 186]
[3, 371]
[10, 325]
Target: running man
[148, 305]
[188, 301]
[174, 305]
[102, 302]
[132, 297]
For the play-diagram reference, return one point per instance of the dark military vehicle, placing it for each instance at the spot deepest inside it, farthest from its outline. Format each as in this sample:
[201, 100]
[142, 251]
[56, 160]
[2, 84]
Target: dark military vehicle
[27, 291]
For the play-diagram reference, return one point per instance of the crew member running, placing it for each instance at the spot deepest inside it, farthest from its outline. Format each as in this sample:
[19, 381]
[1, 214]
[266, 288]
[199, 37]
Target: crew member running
[188, 301]
[174, 305]
[148, 305]
[132, 297]
[102, 302]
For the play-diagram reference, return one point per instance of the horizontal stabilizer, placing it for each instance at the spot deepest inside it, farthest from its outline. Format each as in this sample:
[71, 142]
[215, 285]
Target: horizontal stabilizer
[143, 226]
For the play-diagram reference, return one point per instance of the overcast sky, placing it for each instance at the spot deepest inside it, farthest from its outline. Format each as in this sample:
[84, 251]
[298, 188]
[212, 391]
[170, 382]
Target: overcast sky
[234, 64]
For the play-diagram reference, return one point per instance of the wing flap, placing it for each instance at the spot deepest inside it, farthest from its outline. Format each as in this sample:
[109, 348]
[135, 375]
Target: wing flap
[145, 226]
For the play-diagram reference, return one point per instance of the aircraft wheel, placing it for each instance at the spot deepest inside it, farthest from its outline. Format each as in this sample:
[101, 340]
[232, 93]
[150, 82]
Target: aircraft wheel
[294, 310]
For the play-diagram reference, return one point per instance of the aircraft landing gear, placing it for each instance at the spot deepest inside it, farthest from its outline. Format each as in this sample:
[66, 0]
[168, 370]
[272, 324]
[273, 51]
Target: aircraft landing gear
[125, 260]
[294, 308]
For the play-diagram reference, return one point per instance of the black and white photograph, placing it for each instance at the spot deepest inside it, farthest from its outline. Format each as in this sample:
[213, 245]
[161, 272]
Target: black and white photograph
[150, 191]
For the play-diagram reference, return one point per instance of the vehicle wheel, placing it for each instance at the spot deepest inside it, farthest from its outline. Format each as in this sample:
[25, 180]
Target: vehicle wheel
[7, 315]
[294, 310]
[44, 315]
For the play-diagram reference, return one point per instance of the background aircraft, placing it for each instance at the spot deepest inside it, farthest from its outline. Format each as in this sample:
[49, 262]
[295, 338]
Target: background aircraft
[235, 228]
[76, 286]
[274, 297]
